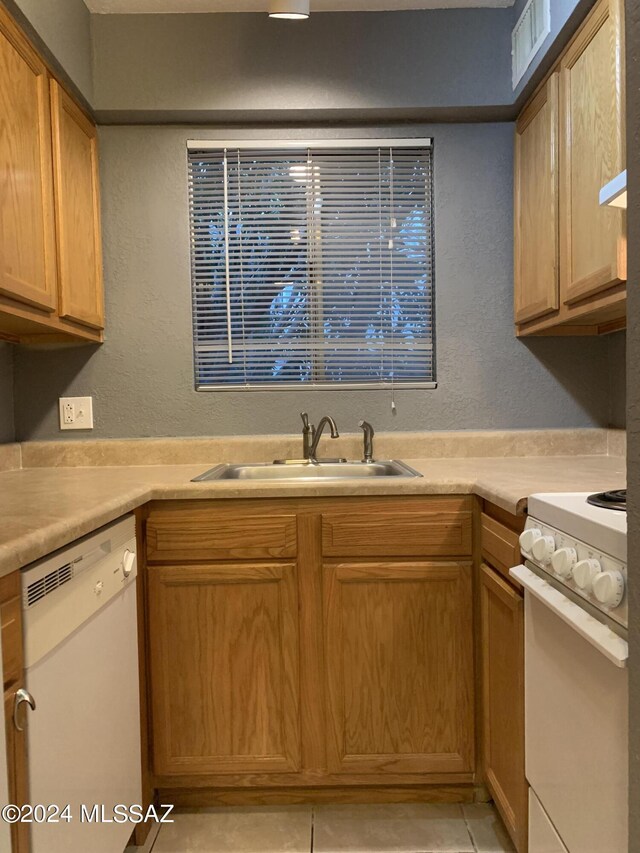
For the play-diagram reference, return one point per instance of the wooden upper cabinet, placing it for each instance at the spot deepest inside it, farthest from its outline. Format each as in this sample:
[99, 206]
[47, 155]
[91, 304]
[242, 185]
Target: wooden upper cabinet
[399, 667]
[570, 253]
[50, 242]
[502, 644]
[536, 206]
[27, 230]
[77, 204]
[592, 153]
[224, 666]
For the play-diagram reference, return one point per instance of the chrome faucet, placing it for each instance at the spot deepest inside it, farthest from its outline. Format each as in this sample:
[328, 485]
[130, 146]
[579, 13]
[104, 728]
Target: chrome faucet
[368, 440]
[316, 434]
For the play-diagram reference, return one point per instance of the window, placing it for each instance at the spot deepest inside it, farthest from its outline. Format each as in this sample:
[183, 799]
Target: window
[312, 265]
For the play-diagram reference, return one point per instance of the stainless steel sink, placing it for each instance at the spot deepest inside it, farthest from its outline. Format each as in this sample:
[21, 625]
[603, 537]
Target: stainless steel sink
[309, 471]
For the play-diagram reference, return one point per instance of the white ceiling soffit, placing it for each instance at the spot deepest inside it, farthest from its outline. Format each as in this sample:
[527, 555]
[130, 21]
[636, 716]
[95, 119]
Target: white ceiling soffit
[121, 7]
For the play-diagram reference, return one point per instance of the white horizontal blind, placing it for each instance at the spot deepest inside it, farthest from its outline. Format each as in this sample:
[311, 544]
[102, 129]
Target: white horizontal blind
[312, 266]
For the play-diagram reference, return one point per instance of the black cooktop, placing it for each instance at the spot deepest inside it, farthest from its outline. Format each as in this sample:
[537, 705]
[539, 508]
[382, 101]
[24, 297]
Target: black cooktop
[610, 500]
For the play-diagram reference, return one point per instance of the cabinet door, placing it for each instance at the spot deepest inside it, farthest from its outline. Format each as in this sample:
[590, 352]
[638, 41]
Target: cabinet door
[77, 201]
[27, 230]
[224, 668]
[593, 248]
[536, 206]
[399, 672]
[503, 700]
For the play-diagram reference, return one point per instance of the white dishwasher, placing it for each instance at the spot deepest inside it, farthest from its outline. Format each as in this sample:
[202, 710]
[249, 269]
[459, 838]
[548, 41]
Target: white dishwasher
[81, 659]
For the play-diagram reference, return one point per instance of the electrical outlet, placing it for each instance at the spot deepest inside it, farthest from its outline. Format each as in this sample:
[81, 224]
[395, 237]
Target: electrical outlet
[76, 412]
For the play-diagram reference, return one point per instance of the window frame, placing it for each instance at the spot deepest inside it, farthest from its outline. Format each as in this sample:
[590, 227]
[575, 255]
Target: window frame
[222, 145]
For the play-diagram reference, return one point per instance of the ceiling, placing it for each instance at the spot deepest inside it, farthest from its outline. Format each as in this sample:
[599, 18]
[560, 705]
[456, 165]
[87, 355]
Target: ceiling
[184, 6]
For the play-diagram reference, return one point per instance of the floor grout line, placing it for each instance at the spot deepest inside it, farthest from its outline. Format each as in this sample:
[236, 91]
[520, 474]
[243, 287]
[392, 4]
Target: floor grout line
[471, 839]
[470, 847]
[155, 834]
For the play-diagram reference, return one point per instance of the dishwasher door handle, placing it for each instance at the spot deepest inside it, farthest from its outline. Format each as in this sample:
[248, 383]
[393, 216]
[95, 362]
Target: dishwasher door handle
[21, 696]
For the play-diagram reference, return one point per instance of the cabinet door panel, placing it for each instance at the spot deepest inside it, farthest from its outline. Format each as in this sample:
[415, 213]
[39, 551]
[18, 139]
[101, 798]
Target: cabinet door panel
[224, 668]
[536, 206]
[592, 153]
[77, 211]
[394, 534]
[499, 544]
[209, 535]
[399, 673]
[27, 230]
[503, 700]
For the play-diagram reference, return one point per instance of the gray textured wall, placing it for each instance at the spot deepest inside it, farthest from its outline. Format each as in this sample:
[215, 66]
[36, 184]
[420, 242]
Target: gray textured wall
[64, 26]
[142, 379]
[7, 431]
[633, 408]
[246, 67]
[617, 355]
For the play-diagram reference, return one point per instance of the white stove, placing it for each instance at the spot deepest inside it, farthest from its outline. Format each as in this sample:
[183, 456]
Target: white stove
[580, 547]
[576, 681]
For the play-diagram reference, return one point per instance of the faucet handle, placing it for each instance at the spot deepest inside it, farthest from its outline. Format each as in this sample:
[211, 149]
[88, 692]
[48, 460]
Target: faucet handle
[305, 419]
[368, 440]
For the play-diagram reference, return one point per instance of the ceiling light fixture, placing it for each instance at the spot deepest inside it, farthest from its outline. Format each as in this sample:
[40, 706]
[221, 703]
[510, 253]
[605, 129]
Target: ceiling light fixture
[293, 10]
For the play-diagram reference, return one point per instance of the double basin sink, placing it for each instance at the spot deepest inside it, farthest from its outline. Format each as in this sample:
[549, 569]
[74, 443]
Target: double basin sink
[309, 471]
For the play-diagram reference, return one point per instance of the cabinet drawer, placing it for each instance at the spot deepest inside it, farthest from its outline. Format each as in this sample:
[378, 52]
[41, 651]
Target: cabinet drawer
[11, 629]
[397, 533]
[220, 537]
[500, 545]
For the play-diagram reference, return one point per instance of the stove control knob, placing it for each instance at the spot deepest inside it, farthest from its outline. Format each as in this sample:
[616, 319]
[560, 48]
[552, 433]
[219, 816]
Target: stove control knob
[528, 537]
[608, 588]
[543, 549]
[563, 561]
[584, 572]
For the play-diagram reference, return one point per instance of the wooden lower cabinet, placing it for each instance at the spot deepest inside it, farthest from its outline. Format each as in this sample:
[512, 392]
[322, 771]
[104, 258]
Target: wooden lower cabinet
[309, 670]
[13, 678]
[225, 668]
[399, 667]
[502, 645]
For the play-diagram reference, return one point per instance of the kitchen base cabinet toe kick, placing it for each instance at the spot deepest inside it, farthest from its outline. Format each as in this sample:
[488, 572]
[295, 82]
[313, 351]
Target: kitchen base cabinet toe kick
[314, 649]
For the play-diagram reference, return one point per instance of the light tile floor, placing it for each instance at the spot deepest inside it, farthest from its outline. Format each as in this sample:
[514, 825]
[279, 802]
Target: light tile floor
[397, 828]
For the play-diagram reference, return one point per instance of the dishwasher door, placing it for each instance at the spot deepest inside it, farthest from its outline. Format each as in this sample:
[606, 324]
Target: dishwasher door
[84, 737]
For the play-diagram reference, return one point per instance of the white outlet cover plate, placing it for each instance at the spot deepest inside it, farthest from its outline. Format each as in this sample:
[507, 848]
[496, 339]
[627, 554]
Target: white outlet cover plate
[82, 412]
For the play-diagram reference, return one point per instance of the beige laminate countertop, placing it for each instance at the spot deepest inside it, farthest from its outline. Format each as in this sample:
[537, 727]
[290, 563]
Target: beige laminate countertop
[42, 509]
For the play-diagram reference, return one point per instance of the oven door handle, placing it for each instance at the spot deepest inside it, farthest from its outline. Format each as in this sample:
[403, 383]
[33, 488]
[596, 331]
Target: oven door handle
[613, 647]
